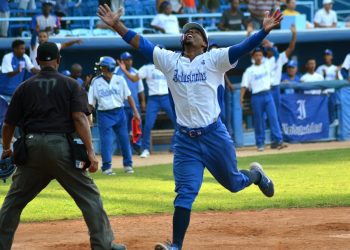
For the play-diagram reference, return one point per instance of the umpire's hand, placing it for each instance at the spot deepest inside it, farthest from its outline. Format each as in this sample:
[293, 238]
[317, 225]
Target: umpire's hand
[93, 162]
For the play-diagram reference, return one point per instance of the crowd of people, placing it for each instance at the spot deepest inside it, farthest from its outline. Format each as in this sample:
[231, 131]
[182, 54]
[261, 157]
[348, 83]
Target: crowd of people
[236, 15]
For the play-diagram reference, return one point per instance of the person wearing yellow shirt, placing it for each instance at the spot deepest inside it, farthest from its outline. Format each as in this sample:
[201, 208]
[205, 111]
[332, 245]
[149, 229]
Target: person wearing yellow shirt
[290, 10]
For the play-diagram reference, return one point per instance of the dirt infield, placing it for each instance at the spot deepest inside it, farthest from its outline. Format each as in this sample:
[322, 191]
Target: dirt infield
[326, 228]
[321, 228]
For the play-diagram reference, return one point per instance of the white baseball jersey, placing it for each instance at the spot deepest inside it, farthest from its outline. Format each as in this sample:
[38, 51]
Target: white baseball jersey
[7, 60]
[346, 63]
[324, 18]
[331, 72]
[155, 80]
[315, 77]
[34, 52]
[193, 84]
[108, 95]
[257, 78]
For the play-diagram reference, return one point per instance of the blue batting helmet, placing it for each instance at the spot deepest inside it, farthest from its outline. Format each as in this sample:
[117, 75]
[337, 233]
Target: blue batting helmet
[125, 56]
[108, 62]
[7, 167]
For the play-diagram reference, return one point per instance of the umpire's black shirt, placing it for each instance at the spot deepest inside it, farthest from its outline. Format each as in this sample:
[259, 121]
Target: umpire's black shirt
[45, 102]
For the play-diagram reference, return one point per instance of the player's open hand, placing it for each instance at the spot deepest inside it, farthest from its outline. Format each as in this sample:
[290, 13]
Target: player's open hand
[109, 17]
[121, 65]
[272, 20]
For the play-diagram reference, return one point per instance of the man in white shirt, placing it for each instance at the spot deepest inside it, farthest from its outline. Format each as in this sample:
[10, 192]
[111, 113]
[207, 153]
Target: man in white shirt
[257, 78]
[201, 139]
[330, 72]
[13, 69]
[165, 21]
[44, 37]
[311, 76]
[110, 91]
[326, 17]
[46, 21]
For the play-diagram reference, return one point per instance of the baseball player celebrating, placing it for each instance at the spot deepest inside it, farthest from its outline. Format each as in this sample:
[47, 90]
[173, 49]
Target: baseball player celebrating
[201, 140]
[257, 78]
[110, 91]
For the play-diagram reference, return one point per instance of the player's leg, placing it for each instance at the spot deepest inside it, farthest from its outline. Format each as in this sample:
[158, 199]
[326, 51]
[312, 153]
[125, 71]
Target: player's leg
[151, 114]
[273, 120]
[27, 182]
[188, 174]
[122, 133]
[332, 107]
[105, 121]
[84, 192]
[258, 104]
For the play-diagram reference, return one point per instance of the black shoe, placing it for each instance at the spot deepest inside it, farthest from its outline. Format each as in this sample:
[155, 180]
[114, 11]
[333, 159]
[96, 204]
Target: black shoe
[265, 184]
[281, 145]
[116, 246]
[274, 145]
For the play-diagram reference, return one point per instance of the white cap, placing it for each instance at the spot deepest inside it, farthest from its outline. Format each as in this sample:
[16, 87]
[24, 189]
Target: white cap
[327, 1]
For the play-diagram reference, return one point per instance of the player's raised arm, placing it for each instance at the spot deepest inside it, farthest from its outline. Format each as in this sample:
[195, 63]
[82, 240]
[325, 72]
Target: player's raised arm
[112, 19]
[270, 21]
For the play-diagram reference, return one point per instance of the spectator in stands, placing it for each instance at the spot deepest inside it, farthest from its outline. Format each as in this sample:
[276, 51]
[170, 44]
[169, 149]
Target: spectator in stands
[62, 9]
[135, 85]
[326, 17]
[165, 21]
[46, 21]
[44, 37]
[232, 19]
[4, 13]
[189, 6]
[26, 4]
[291, 76]
[176, 6]
[13, 67]
[290, 8]
[311, 76]
[209, 5]
[345, 68]
[330, 72]
[257, 9]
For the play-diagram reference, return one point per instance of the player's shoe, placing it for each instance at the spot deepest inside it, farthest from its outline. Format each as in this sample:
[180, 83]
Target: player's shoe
[108, 172]
[145, 153]
[282, 145]
[261, 148]
[116, 246]
[165, 246]
[265, 184]
[128, 170]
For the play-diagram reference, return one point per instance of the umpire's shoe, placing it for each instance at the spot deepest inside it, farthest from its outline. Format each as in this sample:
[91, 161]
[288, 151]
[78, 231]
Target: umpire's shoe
[166, 246]
[116, 246]
[265, 184]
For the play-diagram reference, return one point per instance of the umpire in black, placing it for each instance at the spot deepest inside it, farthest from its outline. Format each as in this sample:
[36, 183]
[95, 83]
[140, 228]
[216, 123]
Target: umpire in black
[49, 107]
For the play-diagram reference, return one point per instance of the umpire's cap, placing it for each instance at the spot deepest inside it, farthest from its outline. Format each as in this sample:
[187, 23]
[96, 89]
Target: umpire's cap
[108, 62]
[196, 26]
[47, 52]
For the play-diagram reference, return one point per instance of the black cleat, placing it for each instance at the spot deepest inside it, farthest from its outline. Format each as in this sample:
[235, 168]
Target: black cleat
[265, 184]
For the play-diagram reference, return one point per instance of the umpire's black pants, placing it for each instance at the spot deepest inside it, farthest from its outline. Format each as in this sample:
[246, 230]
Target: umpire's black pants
[49, 158]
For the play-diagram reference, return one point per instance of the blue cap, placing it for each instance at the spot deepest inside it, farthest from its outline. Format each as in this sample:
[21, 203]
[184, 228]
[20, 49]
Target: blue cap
[292, 64]
[125, 56]
[328, 52]
[257, 49]
[66, 72]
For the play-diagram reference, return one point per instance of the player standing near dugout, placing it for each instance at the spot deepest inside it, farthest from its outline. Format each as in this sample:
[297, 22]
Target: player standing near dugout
[201, 140]
[49, 107]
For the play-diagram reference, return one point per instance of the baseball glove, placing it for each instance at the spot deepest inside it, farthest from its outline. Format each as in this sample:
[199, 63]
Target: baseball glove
[7, 168]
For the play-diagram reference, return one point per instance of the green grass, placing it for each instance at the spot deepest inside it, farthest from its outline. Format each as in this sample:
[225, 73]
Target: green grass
[308, 179]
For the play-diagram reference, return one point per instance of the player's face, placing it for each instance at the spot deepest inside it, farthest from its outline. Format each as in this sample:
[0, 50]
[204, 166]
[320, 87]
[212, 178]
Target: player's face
[43, 37]
[291, 71]
[311, 65]
[328, 59]
[128, 63]
[19, 50]
[327, 6]
[47, 9]
[258, 56]
[269, 53]
[194, 37]
[168, 9]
